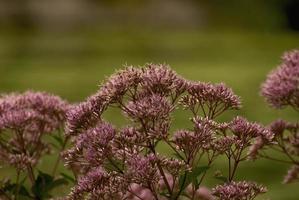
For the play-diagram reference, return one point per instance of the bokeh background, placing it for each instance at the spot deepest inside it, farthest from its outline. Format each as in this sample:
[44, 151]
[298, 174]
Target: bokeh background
[68, 47]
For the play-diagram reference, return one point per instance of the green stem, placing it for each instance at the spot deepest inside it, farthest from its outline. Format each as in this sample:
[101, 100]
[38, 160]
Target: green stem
[58, 157]
[17, 185]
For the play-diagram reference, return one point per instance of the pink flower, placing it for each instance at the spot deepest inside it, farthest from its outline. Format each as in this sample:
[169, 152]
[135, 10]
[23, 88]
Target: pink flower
[281, 86]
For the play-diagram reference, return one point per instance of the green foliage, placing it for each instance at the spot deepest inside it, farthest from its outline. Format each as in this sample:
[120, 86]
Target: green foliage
[44, 184]
[192, 177]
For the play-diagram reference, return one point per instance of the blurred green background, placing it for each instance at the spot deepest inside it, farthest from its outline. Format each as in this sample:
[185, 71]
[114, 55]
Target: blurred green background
[68, 48]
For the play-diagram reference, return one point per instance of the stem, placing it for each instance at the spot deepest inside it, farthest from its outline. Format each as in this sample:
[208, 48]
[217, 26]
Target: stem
[174, 149]
[136, 195]
[204, 174]
[19, 136]
[229, 164]
[31, 174]
[115, 166]
[17, 185]
[153, 191]
[162, 172]
[181, 189]
[234, 170]
[58, 157]
[236, 163]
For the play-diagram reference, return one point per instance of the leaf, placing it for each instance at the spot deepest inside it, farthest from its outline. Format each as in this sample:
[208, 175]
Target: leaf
[12, 187]
[196, 173]
[178, 156]
[68, 177]
[192, 177]
[221, 178]
[57, 183]
[41, 185]
[44, 184]
[23, 191]
[58, 139]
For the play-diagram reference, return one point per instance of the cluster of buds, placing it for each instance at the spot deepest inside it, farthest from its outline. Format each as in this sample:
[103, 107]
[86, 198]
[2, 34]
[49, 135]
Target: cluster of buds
[125, 163]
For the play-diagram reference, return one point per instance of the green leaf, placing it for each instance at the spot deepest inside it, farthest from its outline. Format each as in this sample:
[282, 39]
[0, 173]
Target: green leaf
[58, 139]
[12, 187]
[23, 191]
[68, 177]
[58, 182]
[178, 156]
[44, 184]
[192, 177]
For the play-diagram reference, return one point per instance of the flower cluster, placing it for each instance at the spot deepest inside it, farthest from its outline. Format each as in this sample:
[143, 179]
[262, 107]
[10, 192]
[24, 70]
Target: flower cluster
[24, 119]
[238, 191]
[106, 157]
[211, 99]
[282, 89]
[282, 85]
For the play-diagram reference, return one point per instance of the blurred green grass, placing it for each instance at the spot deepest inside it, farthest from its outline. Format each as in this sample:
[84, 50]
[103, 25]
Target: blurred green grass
[73, 65]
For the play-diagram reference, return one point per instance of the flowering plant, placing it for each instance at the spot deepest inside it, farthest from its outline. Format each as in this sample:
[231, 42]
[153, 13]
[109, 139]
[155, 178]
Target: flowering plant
[281, 89]
[25, 121]
[125, 163]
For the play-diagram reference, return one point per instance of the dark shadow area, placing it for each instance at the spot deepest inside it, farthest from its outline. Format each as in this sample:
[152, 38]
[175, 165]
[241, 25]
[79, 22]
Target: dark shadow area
[292, 13]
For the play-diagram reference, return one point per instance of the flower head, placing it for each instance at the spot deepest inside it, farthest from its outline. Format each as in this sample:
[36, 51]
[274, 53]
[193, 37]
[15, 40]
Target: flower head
[24, 119]
[149, 107]
[142, 169]
[213, 99]
[93, 145]
[160, 79]
[244, 129]
[281, 87]
[238, 190]
[100, 184]
[119, 83]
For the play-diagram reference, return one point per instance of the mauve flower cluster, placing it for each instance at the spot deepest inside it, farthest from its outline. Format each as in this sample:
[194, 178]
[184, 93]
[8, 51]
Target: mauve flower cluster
[282, 85]
[24, 119]
[282, 89]
[124, 162]
[238, 191]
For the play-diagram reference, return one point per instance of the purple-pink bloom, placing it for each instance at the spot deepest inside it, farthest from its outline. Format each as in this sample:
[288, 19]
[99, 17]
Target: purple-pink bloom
[248, 130]
[142, 169]
[160, 79]
[150, 107]
[281, 87]
[238, 190]
[24, 119]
